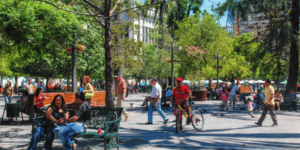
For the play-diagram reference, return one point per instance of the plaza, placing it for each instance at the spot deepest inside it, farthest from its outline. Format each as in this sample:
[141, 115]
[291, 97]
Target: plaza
[234, 130]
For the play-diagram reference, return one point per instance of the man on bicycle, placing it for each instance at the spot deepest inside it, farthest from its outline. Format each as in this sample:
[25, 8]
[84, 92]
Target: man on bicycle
[181, 92]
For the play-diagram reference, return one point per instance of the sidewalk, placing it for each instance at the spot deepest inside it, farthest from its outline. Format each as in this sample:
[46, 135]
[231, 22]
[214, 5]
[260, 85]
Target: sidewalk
[235, 130]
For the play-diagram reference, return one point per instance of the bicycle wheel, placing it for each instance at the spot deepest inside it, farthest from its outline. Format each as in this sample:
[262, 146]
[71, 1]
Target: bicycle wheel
[197, 120]
[177, 121]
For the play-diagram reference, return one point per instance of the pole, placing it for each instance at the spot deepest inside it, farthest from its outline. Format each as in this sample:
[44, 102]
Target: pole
[74, 65]
[172, 63]
[244, 77]
[218, 68]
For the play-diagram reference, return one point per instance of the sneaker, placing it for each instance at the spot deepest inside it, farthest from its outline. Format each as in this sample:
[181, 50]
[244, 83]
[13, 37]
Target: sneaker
[166, 121]
[142, 105]
[257, 123]
[274, 125]
[253, 116]
[174, 120]
[148, 123]
[127, 117]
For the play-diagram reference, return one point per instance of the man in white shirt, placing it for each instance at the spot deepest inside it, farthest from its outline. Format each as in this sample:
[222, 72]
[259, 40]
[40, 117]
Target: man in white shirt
[234, 88]
[155, 96]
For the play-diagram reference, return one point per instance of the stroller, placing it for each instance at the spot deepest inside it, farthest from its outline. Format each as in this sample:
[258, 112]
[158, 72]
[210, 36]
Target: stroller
[259, 102]
[243, 101]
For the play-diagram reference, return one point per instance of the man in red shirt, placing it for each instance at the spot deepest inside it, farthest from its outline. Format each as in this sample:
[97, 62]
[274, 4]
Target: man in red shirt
[181, 92]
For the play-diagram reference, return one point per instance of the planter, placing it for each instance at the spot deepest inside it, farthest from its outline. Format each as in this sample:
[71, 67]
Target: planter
[200, 95]
[13, 110]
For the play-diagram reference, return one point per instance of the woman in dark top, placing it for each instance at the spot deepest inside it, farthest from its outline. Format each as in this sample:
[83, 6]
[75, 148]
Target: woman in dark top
[56, 115]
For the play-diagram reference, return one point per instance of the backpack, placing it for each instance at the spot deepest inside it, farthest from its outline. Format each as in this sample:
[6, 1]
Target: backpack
[229, 89]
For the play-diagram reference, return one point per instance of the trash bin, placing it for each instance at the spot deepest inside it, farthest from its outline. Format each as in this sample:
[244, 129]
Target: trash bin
[13, 110]
[208, 95]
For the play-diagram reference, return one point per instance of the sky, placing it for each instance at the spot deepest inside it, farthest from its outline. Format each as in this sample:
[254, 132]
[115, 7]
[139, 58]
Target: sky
[207, 6]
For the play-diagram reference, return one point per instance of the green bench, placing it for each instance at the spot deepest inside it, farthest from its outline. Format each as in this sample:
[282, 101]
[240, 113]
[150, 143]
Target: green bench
[105, 118]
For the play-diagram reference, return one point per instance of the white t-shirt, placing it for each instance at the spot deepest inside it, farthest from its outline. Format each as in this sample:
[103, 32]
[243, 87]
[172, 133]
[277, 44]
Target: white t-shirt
[30, 89]
[156, 90]
[233, 90]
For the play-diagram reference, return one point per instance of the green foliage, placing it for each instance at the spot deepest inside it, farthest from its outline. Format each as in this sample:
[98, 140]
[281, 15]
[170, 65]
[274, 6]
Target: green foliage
[149, 65]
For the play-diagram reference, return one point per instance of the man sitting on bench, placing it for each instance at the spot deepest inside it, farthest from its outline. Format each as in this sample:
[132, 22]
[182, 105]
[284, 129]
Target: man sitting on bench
[76, 124]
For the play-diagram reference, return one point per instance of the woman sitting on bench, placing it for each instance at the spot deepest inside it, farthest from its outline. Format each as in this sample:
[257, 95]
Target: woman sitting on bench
[56, 114]
[38, 101]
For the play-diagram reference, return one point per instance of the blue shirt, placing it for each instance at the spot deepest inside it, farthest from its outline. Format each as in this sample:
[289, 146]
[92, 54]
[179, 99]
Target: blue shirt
[42, 87]
[168, 93]
[293, 96]
[80, 89]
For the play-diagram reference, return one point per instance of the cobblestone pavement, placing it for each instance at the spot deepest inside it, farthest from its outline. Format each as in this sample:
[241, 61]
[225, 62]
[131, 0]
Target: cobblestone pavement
[234, 130]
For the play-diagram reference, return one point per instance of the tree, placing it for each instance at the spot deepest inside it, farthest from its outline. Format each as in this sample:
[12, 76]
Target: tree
[104, 12]
[283, 15]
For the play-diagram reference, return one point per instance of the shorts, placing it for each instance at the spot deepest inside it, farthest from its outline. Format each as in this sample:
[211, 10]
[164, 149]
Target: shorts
[181, 103]
[232, 98]
[250, 109]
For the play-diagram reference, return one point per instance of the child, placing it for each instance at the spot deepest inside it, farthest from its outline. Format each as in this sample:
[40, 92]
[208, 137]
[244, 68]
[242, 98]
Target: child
[224, 95]
[250, 108]
[293, 103]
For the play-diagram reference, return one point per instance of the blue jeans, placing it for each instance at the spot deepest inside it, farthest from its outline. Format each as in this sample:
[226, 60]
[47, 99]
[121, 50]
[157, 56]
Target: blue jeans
[64, 133]
[7, 99]
[39, 131]
[160, 112]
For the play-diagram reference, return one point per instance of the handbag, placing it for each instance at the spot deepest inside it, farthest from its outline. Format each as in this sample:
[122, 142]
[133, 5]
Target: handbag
[88, 95]
[152, 100]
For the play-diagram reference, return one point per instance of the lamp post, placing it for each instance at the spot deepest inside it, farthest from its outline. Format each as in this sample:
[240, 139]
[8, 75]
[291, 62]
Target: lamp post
[74, 60]
[218, 65]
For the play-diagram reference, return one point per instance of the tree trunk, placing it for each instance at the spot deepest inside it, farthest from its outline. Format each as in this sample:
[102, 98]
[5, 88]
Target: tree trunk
[210, 81]
[16, 85]
[68, 80]
[294, 51]
[38, 80]
[188, 12]
[108, 56]
[278, 72]
[161, 32]
[47, 82]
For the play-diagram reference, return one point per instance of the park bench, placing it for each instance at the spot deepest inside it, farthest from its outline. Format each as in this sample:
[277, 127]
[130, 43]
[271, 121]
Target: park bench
[245, 90]
[98, 100]
[105, 118]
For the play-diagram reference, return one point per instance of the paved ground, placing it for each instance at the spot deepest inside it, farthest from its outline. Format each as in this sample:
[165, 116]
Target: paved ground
[235, 130]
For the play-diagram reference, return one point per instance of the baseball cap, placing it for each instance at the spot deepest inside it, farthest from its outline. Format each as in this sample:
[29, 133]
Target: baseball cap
[179, 79]
[117, 75]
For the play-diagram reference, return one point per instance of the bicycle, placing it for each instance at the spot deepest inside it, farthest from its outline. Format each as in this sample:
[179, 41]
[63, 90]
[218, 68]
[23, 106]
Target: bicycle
[197, 117]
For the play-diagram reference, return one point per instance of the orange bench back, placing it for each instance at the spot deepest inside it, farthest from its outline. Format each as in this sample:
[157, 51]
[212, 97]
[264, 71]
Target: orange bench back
[51, 97]
[97, 100]
[245, 89]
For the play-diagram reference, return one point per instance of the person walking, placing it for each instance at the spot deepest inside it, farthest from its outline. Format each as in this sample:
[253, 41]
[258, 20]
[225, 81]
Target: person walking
[121, 90]
[155, 102]
[88, 89]
[8, 93]
[269, 104]
[293, 103]
[233, 91]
